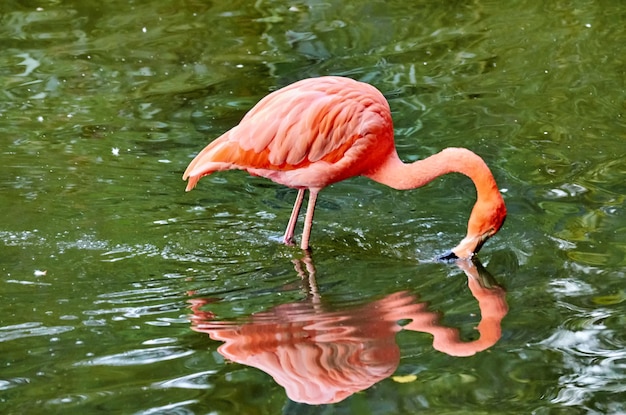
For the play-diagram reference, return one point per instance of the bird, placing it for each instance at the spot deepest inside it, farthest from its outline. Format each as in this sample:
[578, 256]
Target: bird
[322, 130]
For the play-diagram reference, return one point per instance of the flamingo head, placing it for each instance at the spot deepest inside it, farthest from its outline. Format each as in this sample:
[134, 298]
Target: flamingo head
[486, 219]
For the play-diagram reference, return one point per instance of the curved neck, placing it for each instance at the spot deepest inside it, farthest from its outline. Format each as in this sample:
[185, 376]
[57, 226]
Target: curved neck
[398, 175]
[493, 308]
[488, 212]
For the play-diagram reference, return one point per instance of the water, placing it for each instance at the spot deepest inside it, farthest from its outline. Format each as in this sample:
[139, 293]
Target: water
[113, 278]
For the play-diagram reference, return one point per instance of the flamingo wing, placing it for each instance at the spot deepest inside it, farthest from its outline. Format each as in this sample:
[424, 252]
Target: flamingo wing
[314, 121]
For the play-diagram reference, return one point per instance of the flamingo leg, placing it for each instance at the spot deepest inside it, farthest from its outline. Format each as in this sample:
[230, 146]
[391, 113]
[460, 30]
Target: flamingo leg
[291, 226]
[308, 220]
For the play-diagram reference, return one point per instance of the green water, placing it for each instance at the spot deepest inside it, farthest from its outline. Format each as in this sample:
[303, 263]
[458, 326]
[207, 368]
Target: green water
[104, 258]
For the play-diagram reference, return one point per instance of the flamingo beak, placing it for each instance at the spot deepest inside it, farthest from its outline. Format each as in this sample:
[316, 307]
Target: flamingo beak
[467, 248]
[447, 256]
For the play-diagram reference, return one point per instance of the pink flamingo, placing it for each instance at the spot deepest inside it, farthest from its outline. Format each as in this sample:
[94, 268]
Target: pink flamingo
[319, 131]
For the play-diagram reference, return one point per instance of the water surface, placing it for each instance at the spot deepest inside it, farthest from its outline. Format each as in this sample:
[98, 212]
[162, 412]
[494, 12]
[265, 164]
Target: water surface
[105, 260]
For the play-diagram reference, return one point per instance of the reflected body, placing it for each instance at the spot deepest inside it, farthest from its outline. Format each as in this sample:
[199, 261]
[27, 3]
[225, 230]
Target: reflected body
[323, 356]
[319, 131]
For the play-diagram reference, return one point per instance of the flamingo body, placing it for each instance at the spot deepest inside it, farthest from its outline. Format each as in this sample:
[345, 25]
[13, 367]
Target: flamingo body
[319, 131]
[309, 134]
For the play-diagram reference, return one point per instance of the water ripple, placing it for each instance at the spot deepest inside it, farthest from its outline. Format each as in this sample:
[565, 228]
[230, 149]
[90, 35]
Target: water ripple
[138, 357]
[199, 380]
[595, 362]
[177, 408]
[13, 382]
[31, 329]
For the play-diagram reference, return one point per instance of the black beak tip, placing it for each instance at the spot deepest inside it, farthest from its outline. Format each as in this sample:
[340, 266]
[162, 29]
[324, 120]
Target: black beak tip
[448, 256]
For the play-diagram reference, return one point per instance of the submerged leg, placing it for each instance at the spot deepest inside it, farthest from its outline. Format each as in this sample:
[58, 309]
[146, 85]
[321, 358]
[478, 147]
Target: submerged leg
[291, 226]
[308, 221]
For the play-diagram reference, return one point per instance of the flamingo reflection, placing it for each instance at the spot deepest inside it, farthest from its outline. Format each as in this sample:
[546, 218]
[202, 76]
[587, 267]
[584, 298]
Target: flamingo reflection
[321, 356]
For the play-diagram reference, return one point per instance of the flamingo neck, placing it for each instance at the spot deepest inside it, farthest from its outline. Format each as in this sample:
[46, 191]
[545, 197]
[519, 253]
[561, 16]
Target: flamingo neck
[398, 175]
[489, 210]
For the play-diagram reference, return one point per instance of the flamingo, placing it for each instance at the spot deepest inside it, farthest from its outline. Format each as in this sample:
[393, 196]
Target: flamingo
[319, 131]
